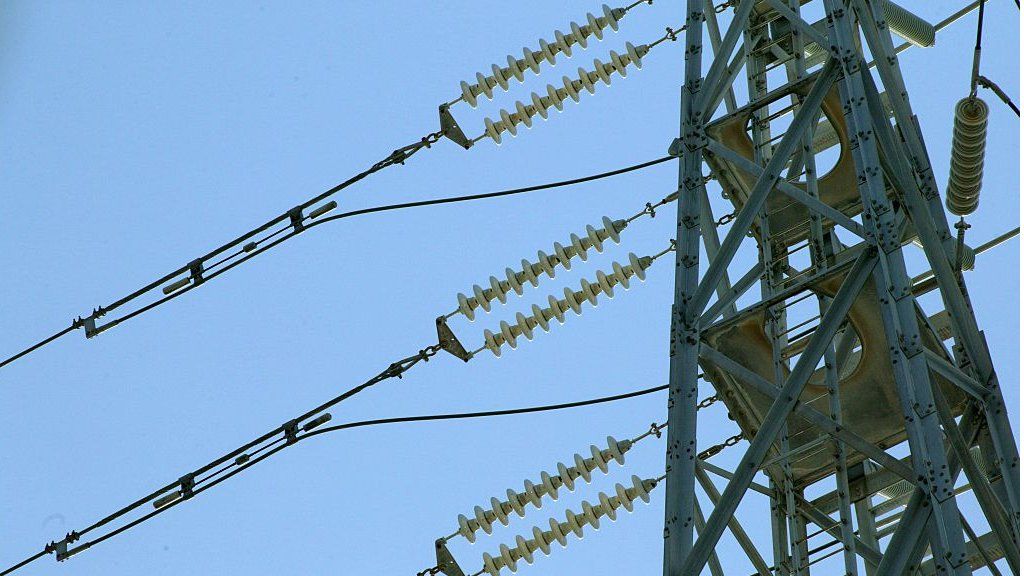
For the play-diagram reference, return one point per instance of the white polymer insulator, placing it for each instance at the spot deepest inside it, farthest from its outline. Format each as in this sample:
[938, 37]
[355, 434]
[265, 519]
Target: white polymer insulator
[574, 523]
[967, 162]
[619, 62]
[485, 85]
[499, 75]
[530, 273]
[517, 504]
[536, 493]
[481, 298]
[557, 533]
[550, 485]
[606, 504]
[524, 325]
[582, 467]
[548, 51]
[515, 68]
[539, 105]
[606, 286]
[588, 292]
[507, 334]
[523, 115]
[557, 100]
[556, 309]
[620, 492]
[908, 25]
[493, 130]
[620, 275]
[602, 72]
[506, 557]
[467, 94]
[497, 290]
[564, 44]
[570, 89]
[482, 520]
[524, 548]
[490, 566]
[636, 54]
[579, 34]
[561, 255]
[508, 122]
[612, 16]
[544, 263]
[465, 530]
[531, 60]
[592, 514]
[542, 543]
[595, 26]
[512, 277]
[599, 458]
[585, 80]
[499, 512]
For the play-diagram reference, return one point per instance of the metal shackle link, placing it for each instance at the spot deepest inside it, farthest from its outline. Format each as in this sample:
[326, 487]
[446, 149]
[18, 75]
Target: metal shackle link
[548, 486]
[549, 51]
[573, 524]
[545, 264]
[573, 300]
[571, 88]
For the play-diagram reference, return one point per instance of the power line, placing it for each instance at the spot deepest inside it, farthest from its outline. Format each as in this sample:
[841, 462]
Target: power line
[253, 248]
[64, 550]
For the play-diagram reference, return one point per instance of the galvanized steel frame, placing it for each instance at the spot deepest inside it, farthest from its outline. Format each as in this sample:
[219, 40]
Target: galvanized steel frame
[883, 153]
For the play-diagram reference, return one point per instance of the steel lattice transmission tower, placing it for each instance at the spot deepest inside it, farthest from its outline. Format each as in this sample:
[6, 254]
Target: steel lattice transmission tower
[836, 374]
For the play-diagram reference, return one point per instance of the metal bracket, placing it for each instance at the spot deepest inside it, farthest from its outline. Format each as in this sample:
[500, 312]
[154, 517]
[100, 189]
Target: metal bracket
[450, 128]
[449, 343]
[676, 147]
[445, 561]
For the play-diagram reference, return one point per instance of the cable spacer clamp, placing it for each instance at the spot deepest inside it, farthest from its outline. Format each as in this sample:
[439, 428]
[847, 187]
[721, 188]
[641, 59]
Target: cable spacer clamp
[291, 431]
[295, 216]
[195, 269]
[187, 483]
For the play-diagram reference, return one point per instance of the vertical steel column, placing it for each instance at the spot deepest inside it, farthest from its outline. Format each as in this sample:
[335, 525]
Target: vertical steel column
[821, 246]
[761, 136]
[897, 305]
[937, 241]
[681, 452]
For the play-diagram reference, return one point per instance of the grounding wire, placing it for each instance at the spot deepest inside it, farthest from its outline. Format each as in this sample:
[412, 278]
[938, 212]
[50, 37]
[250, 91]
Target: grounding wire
[260, 247]
[270, 449]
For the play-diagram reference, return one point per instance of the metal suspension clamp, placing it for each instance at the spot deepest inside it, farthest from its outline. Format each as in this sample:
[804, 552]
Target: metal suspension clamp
[295, 216]
[291, 431]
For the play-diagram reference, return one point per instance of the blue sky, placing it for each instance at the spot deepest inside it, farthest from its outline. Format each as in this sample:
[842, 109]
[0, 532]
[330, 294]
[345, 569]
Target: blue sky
[138, 136]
